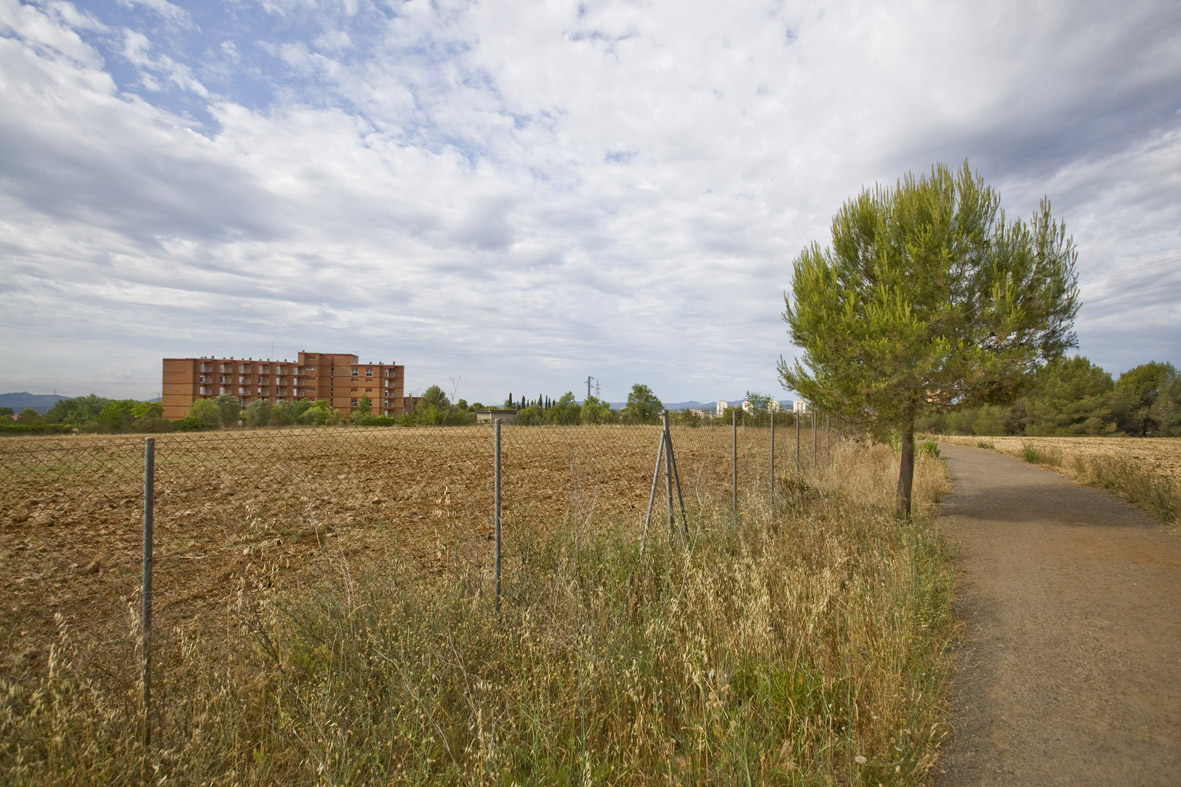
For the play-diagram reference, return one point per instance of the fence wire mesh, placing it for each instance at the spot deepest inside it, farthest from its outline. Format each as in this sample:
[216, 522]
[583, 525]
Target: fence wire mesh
[238, 511]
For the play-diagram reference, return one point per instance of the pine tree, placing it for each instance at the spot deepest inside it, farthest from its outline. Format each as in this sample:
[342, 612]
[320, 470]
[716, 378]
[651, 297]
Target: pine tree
[927, 300]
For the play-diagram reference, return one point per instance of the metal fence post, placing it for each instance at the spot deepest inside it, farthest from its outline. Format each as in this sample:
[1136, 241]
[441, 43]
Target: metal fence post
[652, 495]
[146, 613]
[796, 418]
[772, 462]
[828, 436]
[496, 507]
[814, 441]
[734, 419]
[668, 474]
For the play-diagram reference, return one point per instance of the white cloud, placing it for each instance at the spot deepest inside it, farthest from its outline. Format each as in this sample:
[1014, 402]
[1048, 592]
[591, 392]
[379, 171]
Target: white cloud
[137, 50]
[44, 31]
[526, 196]
[173, 14]
[333, 41]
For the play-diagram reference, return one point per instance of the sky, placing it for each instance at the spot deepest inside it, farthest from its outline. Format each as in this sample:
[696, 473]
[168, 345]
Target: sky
[514, 197]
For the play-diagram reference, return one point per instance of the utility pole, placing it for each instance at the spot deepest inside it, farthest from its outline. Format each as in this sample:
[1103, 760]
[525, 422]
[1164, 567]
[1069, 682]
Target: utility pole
[589, 379]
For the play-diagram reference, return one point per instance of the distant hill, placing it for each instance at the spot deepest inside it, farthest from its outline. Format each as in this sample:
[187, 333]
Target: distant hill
[39, 402]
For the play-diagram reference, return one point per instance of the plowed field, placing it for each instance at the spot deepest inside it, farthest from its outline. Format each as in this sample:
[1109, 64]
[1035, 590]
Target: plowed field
[236, 512]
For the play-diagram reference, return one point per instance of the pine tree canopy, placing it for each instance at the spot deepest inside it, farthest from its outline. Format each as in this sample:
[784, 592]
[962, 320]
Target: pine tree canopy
[929, 298]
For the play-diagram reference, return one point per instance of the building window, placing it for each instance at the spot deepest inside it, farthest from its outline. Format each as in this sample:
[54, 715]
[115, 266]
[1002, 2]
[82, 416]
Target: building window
[352, 402]
[225, 367]
[354, 372]
[262, 369]
[368, 372]
[223, 390]
[241, 390]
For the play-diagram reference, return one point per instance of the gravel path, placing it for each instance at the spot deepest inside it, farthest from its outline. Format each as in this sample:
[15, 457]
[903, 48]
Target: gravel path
[1068, 670]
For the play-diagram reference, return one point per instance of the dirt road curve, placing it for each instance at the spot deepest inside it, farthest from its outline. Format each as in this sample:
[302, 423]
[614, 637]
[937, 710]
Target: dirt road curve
[1069, 666]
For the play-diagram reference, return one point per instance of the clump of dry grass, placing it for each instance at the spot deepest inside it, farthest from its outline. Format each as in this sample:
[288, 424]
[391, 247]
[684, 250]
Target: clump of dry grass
[1155, 493]
[802, 645]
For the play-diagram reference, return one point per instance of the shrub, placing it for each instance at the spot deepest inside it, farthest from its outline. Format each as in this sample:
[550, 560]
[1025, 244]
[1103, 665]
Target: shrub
[190, 423]
[14, 428]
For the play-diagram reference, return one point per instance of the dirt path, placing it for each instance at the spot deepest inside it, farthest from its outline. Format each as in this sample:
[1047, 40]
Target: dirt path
[1069, 667]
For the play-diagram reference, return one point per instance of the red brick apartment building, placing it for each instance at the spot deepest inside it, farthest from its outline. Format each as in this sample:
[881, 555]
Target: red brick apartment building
[335, 377]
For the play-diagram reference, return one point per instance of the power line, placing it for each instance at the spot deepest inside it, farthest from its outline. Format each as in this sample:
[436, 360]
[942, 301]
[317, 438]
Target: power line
[1138, 268]
[1124, 293]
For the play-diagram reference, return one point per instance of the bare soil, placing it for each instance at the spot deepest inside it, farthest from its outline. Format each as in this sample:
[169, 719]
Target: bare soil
[246, 512]
[1068, 670]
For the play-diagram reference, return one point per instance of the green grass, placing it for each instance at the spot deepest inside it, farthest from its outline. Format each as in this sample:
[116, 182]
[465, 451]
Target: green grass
[801, 646]
[1041, 456]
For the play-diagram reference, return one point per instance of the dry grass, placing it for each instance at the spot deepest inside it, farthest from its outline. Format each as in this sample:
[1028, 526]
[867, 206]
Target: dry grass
[803, 645]
[1144, 471]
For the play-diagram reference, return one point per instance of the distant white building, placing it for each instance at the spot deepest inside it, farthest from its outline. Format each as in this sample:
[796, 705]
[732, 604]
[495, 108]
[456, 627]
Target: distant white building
[799, 406]
[722, 405]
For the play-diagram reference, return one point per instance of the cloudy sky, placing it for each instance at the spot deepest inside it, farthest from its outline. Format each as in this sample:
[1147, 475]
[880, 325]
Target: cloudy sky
[511, 197]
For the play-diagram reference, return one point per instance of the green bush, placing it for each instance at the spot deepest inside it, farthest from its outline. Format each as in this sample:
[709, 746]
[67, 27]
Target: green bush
[190, 423]
[13, 428]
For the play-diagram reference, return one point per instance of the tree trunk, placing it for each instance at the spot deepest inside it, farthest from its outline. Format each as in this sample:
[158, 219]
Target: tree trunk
[906, 471]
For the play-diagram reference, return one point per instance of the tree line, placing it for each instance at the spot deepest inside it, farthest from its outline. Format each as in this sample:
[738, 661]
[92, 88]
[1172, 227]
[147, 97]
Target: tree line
[643, 407]
[88, 414]
[1072, 396]
[96, 414]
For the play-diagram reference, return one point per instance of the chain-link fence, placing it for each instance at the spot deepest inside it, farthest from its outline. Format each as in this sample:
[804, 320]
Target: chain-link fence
[242, 510]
